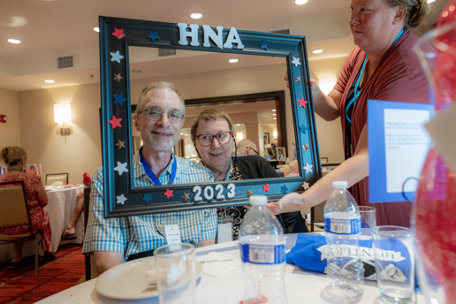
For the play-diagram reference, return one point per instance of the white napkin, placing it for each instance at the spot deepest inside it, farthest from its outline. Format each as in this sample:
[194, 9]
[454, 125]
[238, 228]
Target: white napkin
[218, 264]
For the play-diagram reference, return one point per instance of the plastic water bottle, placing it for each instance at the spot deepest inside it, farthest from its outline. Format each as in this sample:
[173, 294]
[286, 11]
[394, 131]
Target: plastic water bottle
[342, 229]
[262, 248]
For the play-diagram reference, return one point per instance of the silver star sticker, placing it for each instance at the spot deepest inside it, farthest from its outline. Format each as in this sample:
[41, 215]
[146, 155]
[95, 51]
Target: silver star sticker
[121, 168]
[295, 61]
[116, 56]
[308, 168]
[305, 185]
[121, 199]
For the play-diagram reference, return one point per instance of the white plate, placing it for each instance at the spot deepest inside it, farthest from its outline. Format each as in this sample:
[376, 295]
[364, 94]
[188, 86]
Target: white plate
[132, 280]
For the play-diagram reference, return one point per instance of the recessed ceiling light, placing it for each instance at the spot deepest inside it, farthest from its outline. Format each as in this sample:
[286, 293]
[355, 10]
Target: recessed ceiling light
[14, 41]
[273, 110]
[318, 51]
[96, 29]
[196, 15]
[430, 1]
[233, 60]
[300, 2]
[49, 81]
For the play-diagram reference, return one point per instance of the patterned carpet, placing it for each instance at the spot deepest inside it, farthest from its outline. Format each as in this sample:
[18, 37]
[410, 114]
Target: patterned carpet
[21, 286]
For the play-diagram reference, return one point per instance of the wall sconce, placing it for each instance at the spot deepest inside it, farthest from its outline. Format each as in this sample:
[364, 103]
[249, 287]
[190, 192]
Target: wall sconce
[62, 116]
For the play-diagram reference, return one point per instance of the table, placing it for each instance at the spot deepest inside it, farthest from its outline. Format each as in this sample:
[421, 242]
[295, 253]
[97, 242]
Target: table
[302, 286]
[61, 202]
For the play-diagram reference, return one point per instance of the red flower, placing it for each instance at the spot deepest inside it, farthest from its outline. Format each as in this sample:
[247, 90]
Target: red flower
[86, 179]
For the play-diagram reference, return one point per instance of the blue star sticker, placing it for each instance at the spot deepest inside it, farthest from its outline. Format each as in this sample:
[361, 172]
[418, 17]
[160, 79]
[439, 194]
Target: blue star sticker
[119, 99]
[116, 56]
[153, 36]
[284, 190]
[303, 129]
[264, 45]
[147, 197]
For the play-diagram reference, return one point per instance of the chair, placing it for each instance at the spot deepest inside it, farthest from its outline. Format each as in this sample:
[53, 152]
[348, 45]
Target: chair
[56, 177]
[90, 270]
[13, 212]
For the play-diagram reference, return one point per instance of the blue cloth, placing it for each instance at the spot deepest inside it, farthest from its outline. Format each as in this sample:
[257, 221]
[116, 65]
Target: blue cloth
[136, 234]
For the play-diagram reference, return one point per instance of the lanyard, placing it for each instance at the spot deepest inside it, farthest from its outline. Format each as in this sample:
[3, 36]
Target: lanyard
[227, 178]
[152, 175]
[356, 89]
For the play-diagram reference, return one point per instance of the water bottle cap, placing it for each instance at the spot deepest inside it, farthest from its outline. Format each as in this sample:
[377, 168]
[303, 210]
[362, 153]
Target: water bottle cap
[258, 199]
[340, 184]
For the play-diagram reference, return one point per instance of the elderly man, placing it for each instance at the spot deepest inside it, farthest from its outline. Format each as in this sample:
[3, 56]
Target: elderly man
[159, 118]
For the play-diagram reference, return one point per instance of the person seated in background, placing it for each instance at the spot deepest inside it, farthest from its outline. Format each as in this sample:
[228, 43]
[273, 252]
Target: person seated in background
[213, 138]
[15, 159]
[70, 229]
[246, 147]
[159, 118]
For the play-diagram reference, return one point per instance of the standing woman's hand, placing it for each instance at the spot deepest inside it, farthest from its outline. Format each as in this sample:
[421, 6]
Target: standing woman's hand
[289, 203]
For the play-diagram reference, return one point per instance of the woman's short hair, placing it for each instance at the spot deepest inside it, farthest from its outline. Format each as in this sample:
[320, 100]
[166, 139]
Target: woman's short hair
[12, 155]
[416, 10]
[155, 86]
[210, 114]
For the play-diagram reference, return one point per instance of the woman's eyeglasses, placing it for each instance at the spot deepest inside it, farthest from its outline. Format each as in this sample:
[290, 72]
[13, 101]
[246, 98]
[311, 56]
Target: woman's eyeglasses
[155, 113]
[205, 140]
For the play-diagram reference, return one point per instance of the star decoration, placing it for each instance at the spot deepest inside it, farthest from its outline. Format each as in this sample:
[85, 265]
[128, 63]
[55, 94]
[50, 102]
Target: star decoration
[264, 45]
[284, 189]
[169, 193]
[117, 77]
[186, 196]
[296, 61]
[147, 197]
[305, 185]
[298, 79]
[153, 36]
[305, 147]
[120, 144]
[121, 168]
[116, 56]
[266, 188]
[249, 192]
[119, 99]
[121, 199]
[303, 129]
[118, 33]
[302, 102]
[115, 122]
[308, 168]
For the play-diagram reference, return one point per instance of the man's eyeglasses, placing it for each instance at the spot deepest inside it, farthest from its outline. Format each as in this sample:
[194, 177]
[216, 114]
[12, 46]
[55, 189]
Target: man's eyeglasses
[205, 140]
[155, 113]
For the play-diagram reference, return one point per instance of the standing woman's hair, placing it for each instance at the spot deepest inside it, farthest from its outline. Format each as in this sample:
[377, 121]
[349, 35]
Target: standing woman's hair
[416, 10]
[11, 156]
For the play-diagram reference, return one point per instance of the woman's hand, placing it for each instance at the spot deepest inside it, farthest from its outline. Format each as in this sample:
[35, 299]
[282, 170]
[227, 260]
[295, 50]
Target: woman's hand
[289, 203]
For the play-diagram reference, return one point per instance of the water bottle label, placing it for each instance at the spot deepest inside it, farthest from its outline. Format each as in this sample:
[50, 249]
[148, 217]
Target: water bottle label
[343, 226]
[262, 254]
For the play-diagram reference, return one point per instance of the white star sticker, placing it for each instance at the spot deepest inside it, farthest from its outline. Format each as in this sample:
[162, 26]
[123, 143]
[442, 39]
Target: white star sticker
[121, 168]
[305, 185]
[121, 199]
[295, 61]
[116, 56]
[308, 168]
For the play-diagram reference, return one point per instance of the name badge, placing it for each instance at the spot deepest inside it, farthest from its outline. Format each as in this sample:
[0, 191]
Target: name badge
[172, 234]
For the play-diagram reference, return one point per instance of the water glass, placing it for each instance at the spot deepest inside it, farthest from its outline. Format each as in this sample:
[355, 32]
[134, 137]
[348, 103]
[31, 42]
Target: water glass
[224, 229]
[394, 263]
[368, 221]
[175, 268]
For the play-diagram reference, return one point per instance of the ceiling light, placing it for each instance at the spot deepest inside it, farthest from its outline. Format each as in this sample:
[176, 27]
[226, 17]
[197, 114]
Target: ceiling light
[96, 29]
[318, 51]
[49, 81]
[196, 15]
[273, 110]
[430, 1]
[300, 2]
[14, 41]
[233, 60]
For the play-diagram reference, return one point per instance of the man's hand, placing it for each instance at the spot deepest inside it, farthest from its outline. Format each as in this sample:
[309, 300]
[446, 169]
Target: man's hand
[289, 203]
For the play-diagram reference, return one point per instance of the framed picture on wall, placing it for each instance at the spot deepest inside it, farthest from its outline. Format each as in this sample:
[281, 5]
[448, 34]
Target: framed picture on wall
[266, 138]
[281, 154]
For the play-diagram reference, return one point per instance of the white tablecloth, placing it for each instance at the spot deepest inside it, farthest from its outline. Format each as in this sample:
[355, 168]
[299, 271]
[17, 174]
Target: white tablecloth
[302, 286]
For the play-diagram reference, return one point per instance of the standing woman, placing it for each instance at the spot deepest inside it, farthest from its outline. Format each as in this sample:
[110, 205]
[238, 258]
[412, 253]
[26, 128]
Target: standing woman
[382, 66]
[15, 158]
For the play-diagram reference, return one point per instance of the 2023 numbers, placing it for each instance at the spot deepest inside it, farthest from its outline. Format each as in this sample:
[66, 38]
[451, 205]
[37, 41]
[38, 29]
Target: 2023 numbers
[209, 193]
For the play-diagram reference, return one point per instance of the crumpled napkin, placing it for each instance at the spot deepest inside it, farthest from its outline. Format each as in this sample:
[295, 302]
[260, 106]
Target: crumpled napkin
[217, 264]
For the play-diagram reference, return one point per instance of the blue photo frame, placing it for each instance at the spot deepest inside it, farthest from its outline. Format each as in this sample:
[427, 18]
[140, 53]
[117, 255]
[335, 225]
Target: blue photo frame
[116, 36]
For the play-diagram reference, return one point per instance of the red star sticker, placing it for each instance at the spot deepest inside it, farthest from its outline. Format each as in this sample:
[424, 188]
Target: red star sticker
[118, 33]
[302, 102]
[169, 193]
[115, 122]
[266, 188]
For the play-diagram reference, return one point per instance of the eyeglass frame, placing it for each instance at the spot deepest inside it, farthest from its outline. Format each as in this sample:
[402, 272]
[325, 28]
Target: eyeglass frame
[214, 136]
[147, 111]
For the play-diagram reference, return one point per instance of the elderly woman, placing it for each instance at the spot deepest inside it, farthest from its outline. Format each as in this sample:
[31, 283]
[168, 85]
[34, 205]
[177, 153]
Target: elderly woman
[212, 135]
[383, 67]
[15, 158]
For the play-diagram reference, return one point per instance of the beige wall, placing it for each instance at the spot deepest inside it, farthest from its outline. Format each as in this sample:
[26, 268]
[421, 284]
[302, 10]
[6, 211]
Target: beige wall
[81, 151]
[10, 132]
